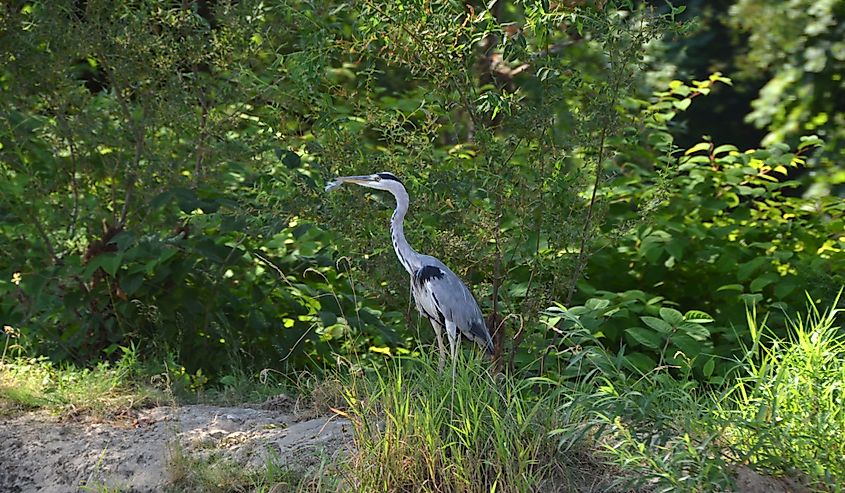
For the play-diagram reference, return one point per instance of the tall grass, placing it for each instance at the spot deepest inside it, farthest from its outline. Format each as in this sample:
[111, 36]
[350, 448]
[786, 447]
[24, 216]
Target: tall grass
[782, 414]
[786, 411]
[418, 429]
[653, 428]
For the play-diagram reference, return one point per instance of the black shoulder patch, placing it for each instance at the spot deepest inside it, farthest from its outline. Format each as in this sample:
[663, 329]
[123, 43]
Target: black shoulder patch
[427, 273]
[389, 176]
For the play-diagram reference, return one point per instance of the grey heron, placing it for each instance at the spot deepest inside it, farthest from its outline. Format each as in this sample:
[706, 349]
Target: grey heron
[439, 293]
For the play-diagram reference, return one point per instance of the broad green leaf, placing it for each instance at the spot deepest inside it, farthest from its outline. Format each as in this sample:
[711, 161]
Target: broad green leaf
[645, 337]
[751, 298]
[671, 315]
[785, 287]
[746, 270]
[131, 282]
[675, 247]
[695, 331]
[810, 140]
[701, 146]
[697, 317]
[726, 148]
[683, 104]
[327, 318]
[597, 304]
[640, 362]
[290, 159]
[718, 77]
[709, 367]
[109, 262]
[657, 324]
[690, 346]
[763, 281]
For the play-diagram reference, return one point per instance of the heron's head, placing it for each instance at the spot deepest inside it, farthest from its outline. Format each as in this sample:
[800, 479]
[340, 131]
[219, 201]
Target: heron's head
[381, 181]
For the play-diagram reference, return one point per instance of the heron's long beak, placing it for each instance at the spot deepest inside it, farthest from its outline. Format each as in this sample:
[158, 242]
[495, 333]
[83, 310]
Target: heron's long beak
[358, 180]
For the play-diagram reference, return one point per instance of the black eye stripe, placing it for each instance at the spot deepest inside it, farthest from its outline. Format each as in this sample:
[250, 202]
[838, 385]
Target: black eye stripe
[388, 176]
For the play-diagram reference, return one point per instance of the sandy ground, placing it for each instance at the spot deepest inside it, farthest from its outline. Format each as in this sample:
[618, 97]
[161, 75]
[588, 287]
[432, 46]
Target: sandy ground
[40, 452]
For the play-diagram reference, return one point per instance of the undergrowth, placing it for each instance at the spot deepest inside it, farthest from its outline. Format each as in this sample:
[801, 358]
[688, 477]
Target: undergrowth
[215, 473]
[786, 412]
[781, 414]
[106, 389]
[417, 428]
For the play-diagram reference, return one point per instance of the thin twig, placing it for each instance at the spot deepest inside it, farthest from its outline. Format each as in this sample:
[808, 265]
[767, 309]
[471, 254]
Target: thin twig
[74, 186]
[43, 234]
[582, 255]
[138, 131]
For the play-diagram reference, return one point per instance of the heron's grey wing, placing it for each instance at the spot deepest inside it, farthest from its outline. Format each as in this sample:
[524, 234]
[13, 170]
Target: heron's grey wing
[441, 295]
[427, 302]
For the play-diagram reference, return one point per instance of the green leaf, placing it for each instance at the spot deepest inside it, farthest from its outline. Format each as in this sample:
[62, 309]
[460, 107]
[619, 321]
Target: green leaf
[718, 77]
[597, 304]
[657, 324]
[291, 159]
[785, 287]
[675, 247]
[695, 331]
[701, 146]
[683, 104]
[645, 337]
[763, 281]
[640, 362]
[746, 270]
[697, 317]
[327, 318]
[109, 262]
[688, 345]
[810, 141]
[726, 148]
[671, 315]
[751, 298]
[130, 283]
[731, 287]
[709, 367]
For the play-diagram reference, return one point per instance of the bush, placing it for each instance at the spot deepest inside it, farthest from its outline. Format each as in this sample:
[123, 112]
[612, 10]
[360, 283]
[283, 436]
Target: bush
[723, 231]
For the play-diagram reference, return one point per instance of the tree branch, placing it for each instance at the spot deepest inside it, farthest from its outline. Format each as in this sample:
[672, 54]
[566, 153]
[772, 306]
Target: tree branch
[74, 185]
[582, 253]
[43, 234]
[138, 131]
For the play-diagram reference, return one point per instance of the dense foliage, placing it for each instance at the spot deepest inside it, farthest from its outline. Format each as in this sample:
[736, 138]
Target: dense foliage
[162, 168]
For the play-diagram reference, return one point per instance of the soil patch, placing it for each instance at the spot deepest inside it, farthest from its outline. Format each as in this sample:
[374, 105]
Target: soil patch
[42, 452]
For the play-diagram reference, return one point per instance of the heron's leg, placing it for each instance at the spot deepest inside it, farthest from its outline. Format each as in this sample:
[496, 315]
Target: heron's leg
[452, 333]
[438, 331]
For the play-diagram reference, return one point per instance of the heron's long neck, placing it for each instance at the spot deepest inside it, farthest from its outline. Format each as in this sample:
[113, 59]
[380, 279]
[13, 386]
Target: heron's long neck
[407, 255]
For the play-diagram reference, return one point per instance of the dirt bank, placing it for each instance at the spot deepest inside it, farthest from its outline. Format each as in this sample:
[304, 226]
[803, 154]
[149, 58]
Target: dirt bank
[42, 452]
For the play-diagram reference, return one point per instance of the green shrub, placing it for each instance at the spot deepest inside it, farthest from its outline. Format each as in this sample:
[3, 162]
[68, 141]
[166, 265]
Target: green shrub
[723, 230]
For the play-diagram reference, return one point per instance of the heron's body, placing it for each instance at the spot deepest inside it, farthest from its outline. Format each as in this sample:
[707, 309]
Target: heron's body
[442, 298]
[439, 293]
